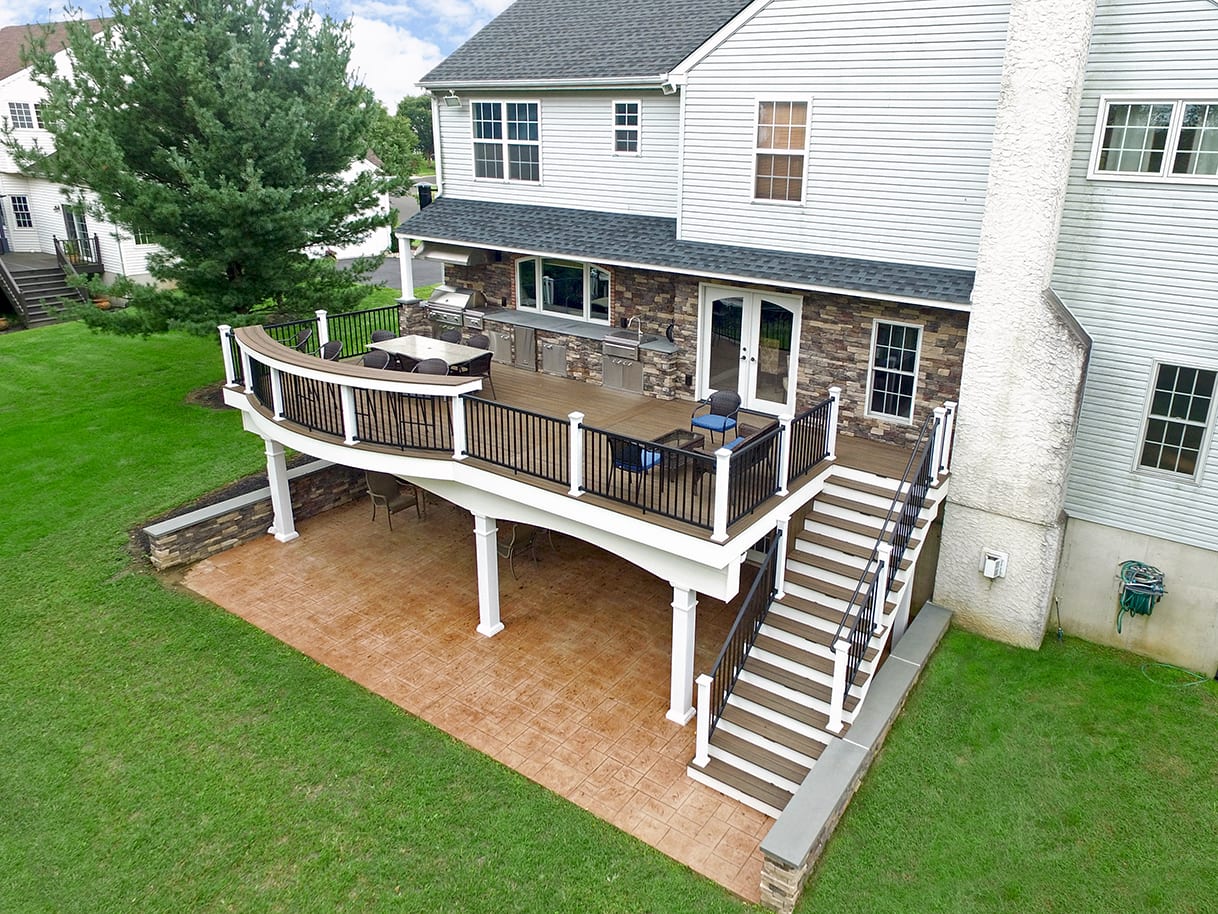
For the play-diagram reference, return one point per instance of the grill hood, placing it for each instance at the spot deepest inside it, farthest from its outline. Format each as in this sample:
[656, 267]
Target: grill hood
[455, 299]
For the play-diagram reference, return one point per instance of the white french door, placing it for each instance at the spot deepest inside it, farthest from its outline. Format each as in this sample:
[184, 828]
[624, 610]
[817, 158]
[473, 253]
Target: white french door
[749, 342]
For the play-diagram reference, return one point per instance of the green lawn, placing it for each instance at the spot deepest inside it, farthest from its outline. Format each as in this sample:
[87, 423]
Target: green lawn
[161, 755]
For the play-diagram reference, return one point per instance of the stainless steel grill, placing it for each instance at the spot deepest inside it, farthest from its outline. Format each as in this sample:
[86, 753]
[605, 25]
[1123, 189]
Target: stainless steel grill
[447, 305]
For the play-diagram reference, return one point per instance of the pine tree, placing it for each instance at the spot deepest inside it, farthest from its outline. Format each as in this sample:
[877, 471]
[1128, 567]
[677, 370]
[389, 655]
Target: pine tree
[222, 128]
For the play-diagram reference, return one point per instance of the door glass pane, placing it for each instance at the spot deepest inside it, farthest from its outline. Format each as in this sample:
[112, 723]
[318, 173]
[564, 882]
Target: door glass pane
[598, 294]
[527, 271]
[774, 352]
[726, 322]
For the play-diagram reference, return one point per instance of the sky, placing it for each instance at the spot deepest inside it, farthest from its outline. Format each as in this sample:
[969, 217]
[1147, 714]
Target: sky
[395, 43]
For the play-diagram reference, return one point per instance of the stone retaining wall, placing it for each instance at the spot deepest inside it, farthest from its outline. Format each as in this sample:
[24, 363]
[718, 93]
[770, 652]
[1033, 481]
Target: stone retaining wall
[316, 487]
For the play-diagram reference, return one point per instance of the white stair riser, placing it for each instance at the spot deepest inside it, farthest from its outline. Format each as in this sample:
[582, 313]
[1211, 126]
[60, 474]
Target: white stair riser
[813, 596]
[790, 612]
[854, 517]
[822, 574]
[762, 742]
[782, 691]
[812, 525]
[867, 498]
[805, 549]
[790, 666]
[763, 774]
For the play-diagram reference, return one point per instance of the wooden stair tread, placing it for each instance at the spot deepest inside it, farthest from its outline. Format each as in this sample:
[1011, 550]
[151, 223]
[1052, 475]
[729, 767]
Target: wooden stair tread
[770, 794]
[795, 683]
[807, 632]
[812, 608]
[773, 731]
[871, 488]
[830, 589]
[762, 758]
[831, 542]
[794, 654]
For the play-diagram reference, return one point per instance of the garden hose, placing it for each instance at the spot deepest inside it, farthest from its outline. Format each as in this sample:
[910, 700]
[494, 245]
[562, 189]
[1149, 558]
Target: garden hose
[1141, 588]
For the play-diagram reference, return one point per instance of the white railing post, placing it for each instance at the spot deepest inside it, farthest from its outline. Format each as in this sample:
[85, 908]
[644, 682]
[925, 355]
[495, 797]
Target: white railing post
[347, 397]
[837, 701]
[884, 554]
[945, 463]
[575, 450]
[784, 454]
[723, 460]
[460, 442]
[277, 394]
[323, 328]
[780, 558]
[247, 370]
[936, 445]
[702, 739]
[226, 351]
[835, 399]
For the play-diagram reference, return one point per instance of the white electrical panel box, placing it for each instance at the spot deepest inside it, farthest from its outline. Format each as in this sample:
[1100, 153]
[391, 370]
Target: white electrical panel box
[993, 564]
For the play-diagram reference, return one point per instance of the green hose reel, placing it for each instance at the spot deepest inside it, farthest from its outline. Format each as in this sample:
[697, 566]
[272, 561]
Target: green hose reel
[1141, 588]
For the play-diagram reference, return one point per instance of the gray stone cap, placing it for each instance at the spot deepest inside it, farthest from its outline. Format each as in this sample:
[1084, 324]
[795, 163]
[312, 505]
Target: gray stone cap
[651, 242]
[555, 41]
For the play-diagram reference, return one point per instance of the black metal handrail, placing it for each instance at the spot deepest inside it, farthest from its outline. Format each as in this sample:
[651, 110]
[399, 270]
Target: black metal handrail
[354, 328]
[911, 495]
[518, 439]
[13, 290]
[750, 618]
[285, 332]
[655, 478]
[78, 253]
[753, 473]
[809, 439]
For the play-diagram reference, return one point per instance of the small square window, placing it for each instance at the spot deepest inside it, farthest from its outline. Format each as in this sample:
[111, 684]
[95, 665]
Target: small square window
[40, 115]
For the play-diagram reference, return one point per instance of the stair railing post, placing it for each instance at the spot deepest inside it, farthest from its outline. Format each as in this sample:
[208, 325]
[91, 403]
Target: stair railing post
[723, 472]
[576, 452]
[323, 328]
[949, 428]
[883, 563]
[780, 560]
[226, 352]
[837, 701]
[784, 454]
[835, 403]
[936, 444]
[702, 740]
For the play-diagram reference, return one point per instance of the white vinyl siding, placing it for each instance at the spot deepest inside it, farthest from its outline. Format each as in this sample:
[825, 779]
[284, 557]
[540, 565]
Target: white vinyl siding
[579, 168]
[903, 96]
[1136, 267]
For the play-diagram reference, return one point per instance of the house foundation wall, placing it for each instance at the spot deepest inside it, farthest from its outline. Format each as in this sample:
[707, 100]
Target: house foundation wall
[208, 531]
[1182, 628]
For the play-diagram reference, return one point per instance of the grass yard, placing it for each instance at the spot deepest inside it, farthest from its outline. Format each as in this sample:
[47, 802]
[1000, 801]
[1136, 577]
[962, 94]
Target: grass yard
[161, 755]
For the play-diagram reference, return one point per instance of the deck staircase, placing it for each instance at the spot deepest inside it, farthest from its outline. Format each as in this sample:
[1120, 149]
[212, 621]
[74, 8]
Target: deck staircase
[775, 724]
[36, 287]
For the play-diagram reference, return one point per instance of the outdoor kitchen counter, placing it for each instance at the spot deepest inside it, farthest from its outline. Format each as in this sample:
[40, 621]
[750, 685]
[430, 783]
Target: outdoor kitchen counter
[549, 323]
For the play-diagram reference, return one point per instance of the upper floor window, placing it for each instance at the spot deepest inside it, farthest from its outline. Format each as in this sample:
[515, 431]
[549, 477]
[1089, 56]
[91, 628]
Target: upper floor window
[626, 128]
[40, 116]
[142, 236]
[21, 116]
[1177, 419]
[569, 288]
[894, 370]
[1171, 140]
[507, 140]
[21, 211]
[782, 140]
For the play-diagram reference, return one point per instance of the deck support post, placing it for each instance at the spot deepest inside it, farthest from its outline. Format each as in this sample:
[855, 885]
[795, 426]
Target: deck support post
[283, 525]
[406, 269]
[485, 547]
[681, 691]
[723, 475]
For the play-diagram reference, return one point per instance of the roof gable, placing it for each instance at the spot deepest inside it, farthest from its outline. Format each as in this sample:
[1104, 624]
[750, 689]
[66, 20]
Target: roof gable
[540, 41]
[15, 37]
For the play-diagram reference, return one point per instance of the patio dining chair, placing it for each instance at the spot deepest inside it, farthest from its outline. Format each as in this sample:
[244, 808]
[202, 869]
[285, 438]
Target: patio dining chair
[377, 358]
[480, 368]
[451, 336]
[331, 350]
[723, 406]
[379, 336]
[631, 457]
[301, 343]
[431, 366]
[387, 490]
[480, 341]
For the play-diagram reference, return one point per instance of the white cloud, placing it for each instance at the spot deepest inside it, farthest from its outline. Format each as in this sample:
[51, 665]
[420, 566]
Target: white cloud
[389, 59]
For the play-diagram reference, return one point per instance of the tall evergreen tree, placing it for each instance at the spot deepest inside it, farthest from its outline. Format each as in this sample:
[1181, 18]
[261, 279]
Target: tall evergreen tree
[223, 129]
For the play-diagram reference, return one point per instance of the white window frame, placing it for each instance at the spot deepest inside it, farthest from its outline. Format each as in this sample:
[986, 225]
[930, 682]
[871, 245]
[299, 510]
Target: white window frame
[538, 304]
[757, 150]
[141, 237]
[24, 111]
[39, 121]
[637, 128]
[1171, 147]
[1206, 435]
[872, 368]
[28, 211]
[504, 142]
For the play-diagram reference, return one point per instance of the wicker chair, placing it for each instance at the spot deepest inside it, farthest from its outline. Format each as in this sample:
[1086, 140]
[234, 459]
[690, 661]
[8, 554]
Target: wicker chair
[331, 350]
[723, 406]
[387, 490]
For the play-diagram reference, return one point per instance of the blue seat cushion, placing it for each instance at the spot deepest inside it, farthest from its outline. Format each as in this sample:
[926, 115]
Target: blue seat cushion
[714, 423]
[735, 443]
[647, 460]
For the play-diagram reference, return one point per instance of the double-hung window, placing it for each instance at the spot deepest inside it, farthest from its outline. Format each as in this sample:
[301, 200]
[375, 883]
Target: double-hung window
[626, 128]
[894, 370]
[780, 153]
[21, 211]
[40, 115]
[507, 140]
[1177, 418]
[142, 236]
[1172, 140]
[21, 115]
[565, 287]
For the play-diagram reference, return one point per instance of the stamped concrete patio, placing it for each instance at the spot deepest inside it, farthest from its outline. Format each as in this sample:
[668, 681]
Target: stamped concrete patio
[572, 694]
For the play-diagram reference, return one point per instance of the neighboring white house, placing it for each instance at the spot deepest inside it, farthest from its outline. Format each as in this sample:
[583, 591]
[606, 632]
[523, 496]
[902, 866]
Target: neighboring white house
[34, 212]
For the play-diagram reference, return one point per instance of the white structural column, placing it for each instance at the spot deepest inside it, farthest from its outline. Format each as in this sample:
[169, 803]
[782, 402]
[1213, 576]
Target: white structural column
[485, 538]
[684, 614]
[406, 268]
[1026, 357]
[283, 525]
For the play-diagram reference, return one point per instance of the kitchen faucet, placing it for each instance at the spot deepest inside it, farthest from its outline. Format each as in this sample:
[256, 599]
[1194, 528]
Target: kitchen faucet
[637, 320]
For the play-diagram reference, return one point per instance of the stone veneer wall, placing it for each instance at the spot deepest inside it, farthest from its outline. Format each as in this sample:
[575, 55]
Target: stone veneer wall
[317, 488]
[835, 341]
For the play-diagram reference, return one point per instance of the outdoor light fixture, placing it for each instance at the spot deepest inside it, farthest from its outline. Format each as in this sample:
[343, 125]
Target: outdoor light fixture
[452, 100]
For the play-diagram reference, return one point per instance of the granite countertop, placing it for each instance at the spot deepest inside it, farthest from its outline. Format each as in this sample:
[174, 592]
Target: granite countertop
[552, 323]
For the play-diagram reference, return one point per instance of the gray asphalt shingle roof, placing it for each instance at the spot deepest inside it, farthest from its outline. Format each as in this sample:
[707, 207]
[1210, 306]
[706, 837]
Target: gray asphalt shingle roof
[651, 241]
[585, 39]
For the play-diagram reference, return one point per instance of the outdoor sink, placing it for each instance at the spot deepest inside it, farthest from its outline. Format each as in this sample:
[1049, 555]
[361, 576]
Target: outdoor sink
[624, 344]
